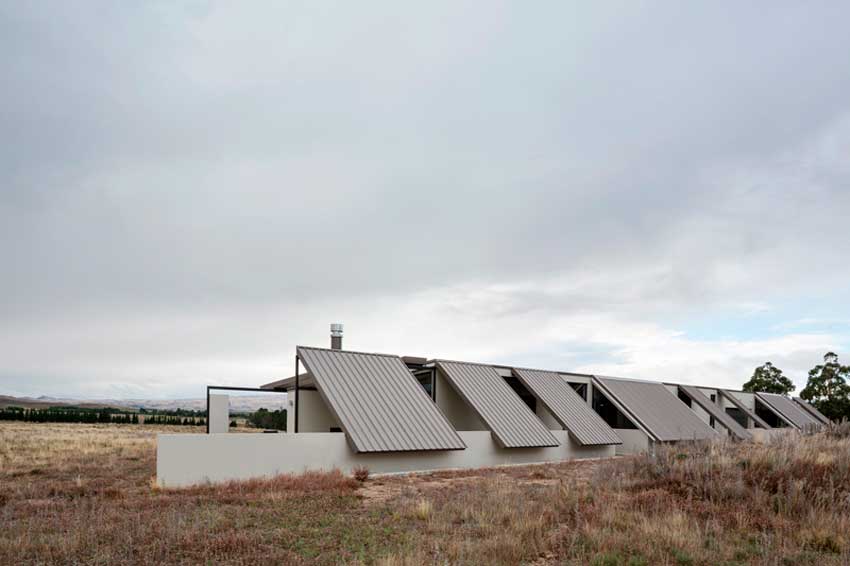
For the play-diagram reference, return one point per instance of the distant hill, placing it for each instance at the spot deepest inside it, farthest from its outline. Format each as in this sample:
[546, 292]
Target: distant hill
[238, 404]
[47, 402]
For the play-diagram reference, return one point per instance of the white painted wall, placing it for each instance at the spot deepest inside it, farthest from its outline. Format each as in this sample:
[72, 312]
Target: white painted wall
[569, 378]
[219, 413]
[635, 441]
[747, 399]
[460, 415]
[313, 413]
[290, 412]
[547, 418]
[187, 459]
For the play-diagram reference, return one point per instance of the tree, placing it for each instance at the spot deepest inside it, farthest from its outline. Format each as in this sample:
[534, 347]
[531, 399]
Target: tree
[827, 388]
[263, 418]
[769, 379]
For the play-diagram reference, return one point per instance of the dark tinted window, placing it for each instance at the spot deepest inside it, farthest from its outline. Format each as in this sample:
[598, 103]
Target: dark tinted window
[769, 416]
[523, 393]
[609, 413]
[426, 380]
[580, 388]
[737, 414]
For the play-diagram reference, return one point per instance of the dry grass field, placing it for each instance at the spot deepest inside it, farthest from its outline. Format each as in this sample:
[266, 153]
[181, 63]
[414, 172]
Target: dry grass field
[84, 494]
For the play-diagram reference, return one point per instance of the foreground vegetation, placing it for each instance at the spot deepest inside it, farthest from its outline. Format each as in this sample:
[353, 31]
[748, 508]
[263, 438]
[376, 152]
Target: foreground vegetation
[84, 494]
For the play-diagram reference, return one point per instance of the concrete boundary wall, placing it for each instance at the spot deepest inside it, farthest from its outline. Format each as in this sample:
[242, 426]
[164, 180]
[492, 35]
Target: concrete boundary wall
[188, 459]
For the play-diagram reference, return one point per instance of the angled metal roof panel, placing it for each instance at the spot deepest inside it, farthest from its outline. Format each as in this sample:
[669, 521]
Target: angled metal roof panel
[716, 411]
[379, 404]
[659, 411]
[509, 419]
[574, 414]
[813, 411]
[788, 410]
[288, 384]
[744, 409]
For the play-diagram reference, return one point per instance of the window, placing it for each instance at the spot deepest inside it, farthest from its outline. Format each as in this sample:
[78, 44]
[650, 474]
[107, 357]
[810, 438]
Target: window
[426, 380]
[609, 413]
[523, 393]
[580, 388]
[685, 399]
[769, 416]
[737, 414]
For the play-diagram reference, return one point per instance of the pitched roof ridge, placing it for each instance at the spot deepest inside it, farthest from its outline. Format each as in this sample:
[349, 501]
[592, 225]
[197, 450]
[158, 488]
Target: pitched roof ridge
[347, 351]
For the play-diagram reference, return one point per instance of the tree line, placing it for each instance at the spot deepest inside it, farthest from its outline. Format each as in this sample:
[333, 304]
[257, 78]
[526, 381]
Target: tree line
[81, 415]
[826, 388]
[261, 418]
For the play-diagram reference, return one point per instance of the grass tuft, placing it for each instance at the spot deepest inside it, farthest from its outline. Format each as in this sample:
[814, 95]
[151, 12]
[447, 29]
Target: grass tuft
[422, 510]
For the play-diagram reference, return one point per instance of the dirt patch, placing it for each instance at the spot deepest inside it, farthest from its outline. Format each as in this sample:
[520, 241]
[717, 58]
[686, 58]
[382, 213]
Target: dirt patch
[383, 489]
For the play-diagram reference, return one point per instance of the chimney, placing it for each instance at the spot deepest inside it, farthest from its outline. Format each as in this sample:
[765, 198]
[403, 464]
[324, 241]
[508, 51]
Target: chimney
[336, 336]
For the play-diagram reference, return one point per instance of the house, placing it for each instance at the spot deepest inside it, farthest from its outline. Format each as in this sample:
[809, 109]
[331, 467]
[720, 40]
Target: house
[394, 414]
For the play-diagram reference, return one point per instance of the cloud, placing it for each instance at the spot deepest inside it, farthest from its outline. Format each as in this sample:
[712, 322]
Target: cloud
[187, 192]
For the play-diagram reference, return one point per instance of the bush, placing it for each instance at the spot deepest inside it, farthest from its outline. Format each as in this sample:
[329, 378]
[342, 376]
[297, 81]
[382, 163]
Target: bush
[361, 473]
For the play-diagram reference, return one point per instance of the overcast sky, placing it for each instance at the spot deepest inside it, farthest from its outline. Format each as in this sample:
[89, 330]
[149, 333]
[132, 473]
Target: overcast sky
[654, 190]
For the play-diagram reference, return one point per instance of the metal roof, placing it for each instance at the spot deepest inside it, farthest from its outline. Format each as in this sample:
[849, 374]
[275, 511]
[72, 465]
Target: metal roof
[574, 414]
[744, 409]
[788, 410]
[379, 404]
[304, 380]
[659, 411]
[509, 419]
[716, 411]
[812, 410]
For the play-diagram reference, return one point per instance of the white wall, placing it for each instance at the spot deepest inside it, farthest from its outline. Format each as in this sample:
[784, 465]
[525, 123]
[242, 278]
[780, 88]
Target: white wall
[186, 459]
[219, 413]
[635, 441]
[459, 413]
[569, 378]
[313, 413]
[547, 418]
[746, 399]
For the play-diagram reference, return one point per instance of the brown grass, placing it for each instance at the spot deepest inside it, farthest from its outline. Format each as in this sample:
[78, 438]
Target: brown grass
[84, 494]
